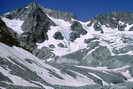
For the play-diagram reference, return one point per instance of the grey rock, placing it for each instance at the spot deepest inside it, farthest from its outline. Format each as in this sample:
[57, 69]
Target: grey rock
[38, 24]
[74, 36]
[97, 27]
[58, 36]
[52, 46]
[122, 27]
[77, 27]
[97, 57]
[77, 30]
[87, 41]
[131, 29]
[62, 45]
[43, 53]
[35, 29]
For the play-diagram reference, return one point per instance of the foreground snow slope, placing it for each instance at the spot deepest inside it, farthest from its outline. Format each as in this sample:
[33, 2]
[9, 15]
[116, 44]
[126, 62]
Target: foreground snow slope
[15, 63]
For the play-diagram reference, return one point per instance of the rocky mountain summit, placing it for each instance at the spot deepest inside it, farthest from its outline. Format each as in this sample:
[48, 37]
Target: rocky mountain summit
[42, 48]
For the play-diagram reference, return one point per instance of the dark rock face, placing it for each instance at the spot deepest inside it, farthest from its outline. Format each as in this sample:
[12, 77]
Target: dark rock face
[35, 29]
[97, 27]
[131, 29]
[7, 35]
[74, 36]
[122, 27]
[77, 30]
[37, 24]
[77, 27]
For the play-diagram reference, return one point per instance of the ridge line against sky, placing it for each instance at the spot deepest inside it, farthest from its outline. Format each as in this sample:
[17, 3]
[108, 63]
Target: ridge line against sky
[82, 9]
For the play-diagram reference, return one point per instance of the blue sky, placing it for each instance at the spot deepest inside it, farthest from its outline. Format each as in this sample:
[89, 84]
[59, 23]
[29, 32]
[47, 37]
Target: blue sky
[83, 9]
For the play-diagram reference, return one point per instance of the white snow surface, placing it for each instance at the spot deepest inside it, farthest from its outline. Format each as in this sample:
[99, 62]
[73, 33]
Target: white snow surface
[14, 24]
[111, 38]
[39, 67]
[65, 28]
[123, 71]
[2, 88]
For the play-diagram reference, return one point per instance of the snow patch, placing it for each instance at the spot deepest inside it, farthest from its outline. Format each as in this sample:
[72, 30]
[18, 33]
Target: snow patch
[2, 88]
[15, 24]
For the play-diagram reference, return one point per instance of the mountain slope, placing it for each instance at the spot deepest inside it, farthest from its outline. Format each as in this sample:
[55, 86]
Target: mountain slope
[51, 38]
[16, 63]
[42, 48]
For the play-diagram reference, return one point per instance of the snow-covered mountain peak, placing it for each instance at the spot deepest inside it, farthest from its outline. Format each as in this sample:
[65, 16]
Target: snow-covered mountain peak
[56, 51]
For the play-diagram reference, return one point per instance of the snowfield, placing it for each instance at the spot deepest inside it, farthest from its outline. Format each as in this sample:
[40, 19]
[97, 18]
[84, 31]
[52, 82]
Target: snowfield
[111, 38]
[38, 67]
[43, 70]
[15, 24]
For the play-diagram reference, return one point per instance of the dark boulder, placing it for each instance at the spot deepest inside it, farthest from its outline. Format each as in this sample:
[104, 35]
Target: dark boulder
[58, 36]
[77, 27]
[43, 53]
[74, 36]
[62, 45]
